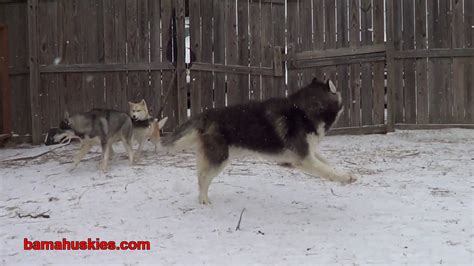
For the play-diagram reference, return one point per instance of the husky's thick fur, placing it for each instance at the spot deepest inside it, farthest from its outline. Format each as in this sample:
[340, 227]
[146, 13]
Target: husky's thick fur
[145, 127]
[286, 129]
[98, 127]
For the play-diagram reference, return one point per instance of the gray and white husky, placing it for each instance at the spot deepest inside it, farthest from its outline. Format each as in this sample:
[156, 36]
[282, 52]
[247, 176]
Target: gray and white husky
[98, 127]
[286, 129]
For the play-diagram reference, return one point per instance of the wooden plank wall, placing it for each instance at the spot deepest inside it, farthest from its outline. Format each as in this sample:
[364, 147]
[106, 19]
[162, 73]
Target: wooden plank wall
[14, 15]
[337, 24]
[234, 33]
[103, 32]
[234, 42]
[433, 89]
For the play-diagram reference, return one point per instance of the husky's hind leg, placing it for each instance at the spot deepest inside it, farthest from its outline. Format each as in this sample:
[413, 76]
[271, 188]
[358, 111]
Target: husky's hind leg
[212, 157]
[106, 147]
[206, 172]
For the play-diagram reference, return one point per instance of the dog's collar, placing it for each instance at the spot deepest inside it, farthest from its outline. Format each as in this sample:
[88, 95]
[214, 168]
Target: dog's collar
[142, 123]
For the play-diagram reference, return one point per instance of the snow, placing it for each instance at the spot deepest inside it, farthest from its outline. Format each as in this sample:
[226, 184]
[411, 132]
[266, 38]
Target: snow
[413, 204]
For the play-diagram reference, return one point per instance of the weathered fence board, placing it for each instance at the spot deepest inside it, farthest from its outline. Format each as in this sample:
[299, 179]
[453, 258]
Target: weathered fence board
[366, 68]
[243, 48]
[422, 98]
[14, 15]
[354, 42]
[378, 102]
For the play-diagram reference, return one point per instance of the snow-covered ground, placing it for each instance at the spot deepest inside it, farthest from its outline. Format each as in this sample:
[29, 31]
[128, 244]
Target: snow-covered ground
[412, 204]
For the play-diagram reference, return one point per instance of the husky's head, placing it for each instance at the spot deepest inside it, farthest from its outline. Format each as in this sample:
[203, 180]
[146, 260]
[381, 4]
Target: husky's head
[139, 111]
[321, 100]
[62, 134]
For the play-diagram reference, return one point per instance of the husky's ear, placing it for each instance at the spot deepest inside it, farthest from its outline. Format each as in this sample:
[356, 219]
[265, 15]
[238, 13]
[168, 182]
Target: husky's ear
[143, 102]
[131, 104]
[332, 87]
[66, 115]
[162, 122]
[315, 80]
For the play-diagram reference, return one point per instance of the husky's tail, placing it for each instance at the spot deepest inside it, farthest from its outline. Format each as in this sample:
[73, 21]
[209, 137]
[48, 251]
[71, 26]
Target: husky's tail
[184, 137]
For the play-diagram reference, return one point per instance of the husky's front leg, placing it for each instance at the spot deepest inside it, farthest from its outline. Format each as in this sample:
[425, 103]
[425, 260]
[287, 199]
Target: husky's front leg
[84, 149]
[315, 167]
[139, 150]
[320, 157]
[127, 143]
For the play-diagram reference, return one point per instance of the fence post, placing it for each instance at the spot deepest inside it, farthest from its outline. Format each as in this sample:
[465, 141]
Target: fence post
[390, 67]
[180, 62]
[6, 124]
[34, 71]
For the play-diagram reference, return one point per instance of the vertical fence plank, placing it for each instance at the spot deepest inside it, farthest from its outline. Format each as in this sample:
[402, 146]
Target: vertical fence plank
[196, 50]
[354, 41]
[293, 44]
[231, 51]
[114, 52]
[306, 38]
[206, 57]
[278, 30]
[219, 53]
[318, 37]
[433, 70]
[49, 91]
[144, 49]
[458, 65]
[70, 46]
[366, 68]
[378, 103]
[439, 68]
[330, 34]
[92, 48]
[409, 64]
[446, 42]
[5, 85]
[133, 51]
[155, 102]
[255, 44]
[397, 70]
[342, 70]
[469, 69]
[266, 48]
[15, 16]
[243, 46]
[182, 97]
[34, 71]
[170, 109]
[422, 96]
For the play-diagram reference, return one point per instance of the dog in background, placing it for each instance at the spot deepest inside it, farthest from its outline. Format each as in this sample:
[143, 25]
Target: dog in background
[97, 127]
[285, 129]
[145, 127]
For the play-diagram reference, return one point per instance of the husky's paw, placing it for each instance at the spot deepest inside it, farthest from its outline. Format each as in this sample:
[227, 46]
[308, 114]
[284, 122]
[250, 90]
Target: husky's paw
[204, 200]
[102, 167]
[348, 178]
[74, 166]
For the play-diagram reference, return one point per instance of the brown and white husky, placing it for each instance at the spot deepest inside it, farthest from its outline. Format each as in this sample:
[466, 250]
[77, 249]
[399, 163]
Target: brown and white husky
[145, 127]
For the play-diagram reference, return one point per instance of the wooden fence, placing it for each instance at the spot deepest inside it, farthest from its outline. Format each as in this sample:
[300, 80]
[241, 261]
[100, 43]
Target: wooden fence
[401, 63]
[432, 62]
